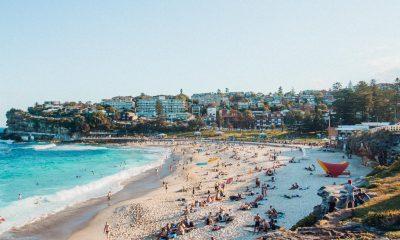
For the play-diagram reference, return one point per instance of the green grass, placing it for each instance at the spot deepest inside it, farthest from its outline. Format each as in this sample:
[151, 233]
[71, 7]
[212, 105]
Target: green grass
[393, 234]
[307, 221]
[383, 211]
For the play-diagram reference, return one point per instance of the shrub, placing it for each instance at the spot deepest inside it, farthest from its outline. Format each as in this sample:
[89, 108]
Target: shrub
[385, 220]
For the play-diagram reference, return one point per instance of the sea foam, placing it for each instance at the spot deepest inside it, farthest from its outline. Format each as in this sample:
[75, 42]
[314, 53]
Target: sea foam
[28, 210]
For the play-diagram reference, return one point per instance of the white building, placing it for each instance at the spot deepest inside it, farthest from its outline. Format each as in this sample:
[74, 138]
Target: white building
[119, 103]
[243, 105]
[212, 112]
[207, 98]
[172, 109]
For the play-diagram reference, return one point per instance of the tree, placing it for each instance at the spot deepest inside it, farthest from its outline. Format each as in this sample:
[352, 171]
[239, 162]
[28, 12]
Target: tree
[280, 91]
[159, 109]
[337, 86]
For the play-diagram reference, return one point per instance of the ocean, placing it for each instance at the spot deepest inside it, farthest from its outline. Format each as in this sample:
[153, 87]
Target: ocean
[51, 177]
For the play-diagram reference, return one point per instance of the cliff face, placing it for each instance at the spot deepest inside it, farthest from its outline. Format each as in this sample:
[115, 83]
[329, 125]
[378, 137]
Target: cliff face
[18, 120]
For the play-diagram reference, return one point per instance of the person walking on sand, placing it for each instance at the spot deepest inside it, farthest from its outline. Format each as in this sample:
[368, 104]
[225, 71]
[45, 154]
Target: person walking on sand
[107, 230]
[166, 187]
[109, 195]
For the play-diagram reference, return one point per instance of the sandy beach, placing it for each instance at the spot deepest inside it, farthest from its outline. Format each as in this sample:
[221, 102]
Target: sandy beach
[196, 168]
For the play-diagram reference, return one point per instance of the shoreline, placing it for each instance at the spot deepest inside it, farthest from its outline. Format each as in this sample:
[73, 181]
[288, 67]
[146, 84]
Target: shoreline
[90, 222]
[62, 224]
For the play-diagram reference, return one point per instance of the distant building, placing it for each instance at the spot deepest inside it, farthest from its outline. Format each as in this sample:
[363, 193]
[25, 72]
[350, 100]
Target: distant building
[207, 98]
[128, 116]
[243, 105]
[48, 104]
[119, 103]
[196, 109]
[212, 112]
[307, 98]
[344, 130]
[172, 109]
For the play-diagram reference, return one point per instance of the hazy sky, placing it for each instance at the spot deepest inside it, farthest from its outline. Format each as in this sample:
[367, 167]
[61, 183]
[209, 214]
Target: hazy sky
[88, 50]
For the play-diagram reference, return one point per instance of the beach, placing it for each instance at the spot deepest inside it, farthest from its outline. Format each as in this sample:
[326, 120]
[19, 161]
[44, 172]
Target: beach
[203, 165]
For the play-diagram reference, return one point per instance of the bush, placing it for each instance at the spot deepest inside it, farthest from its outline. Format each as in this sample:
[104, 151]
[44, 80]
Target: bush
[386, 220]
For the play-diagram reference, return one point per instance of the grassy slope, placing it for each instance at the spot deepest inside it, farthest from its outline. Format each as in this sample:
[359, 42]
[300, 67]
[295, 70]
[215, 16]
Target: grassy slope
[383, 211]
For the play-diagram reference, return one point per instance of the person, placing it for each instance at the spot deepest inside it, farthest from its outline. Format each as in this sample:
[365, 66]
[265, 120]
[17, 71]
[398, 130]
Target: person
[294, 186]
[257, 222]
[349, 187]
[109, 195]
[107, 230]
[258, 182]
[166, 186]
[19, 196]
[264, 190]
[361, 197]
[209, 220]
[332, 204]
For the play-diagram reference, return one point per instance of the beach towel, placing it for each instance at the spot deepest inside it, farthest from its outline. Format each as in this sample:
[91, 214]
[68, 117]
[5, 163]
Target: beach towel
[229, 180]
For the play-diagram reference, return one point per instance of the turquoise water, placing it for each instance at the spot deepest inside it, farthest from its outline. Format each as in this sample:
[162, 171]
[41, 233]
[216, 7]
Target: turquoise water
[51, 177]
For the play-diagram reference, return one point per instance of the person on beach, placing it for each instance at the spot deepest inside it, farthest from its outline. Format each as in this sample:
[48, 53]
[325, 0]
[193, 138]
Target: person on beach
[349, 187]
[107, 230]
[257, 222]
[109, 195]
[166, 187]
[19, 196]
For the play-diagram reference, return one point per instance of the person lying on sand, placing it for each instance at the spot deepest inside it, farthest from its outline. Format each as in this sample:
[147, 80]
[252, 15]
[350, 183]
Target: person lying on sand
[291, 196]
[245, 206]
[236, 197]
[310, 168]
[294, 186]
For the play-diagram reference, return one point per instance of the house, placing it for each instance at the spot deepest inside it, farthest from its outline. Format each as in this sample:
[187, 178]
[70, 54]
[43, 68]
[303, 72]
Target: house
[243, 105]
[119, 103]
[196, 109]
[128, 116]
[207, 98]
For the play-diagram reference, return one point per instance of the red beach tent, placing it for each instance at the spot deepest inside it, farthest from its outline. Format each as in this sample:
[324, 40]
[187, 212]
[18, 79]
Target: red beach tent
[333, 169]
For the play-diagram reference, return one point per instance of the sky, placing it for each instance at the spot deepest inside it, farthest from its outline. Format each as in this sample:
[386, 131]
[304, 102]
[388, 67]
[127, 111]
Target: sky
[89, 50]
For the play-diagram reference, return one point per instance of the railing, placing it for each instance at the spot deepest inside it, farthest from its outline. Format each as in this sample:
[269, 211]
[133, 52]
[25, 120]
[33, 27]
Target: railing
[390, 128]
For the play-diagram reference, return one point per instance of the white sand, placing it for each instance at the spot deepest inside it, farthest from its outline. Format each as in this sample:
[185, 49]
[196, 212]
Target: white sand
[143, 217]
